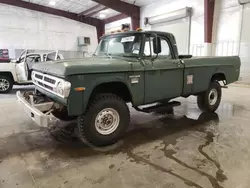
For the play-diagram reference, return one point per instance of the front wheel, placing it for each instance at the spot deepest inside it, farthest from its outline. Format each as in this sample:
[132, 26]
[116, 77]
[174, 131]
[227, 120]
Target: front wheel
[209, 100]
[105, 121]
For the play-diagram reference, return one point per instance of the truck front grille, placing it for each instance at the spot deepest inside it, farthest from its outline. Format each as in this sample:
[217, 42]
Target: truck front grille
[49, 80]
[39, 76]
[45, 81]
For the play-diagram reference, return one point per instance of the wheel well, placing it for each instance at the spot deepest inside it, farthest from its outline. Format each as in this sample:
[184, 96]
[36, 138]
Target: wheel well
[117, 88]
[219, 77]
[8, 74]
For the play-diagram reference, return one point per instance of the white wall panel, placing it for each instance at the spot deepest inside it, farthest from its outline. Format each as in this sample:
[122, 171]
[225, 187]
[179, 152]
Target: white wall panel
[245, 44]
[226, 30]
[21, 28]
[227, 24]
[180, 28]
[231, 33]
[197, 23]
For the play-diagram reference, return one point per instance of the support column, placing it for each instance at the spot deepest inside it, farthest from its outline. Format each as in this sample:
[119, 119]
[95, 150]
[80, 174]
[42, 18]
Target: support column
[135, 23]
[208, 25]
[100, 30]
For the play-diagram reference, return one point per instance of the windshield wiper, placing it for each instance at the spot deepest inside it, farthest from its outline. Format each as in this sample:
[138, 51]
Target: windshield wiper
[109, 55]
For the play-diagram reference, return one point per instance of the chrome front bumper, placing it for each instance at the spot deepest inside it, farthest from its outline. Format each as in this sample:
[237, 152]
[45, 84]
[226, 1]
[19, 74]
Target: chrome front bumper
[36, 111]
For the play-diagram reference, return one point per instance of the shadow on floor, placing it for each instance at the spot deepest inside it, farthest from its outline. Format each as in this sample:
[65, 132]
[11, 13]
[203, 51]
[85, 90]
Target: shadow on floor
[66, 143]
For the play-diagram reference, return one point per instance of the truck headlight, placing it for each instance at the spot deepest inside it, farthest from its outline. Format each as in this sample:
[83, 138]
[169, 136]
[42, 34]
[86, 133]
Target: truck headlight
[63, 88]
[33, 75]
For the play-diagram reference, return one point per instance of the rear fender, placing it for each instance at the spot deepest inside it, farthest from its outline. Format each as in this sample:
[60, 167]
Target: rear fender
[9, 74]
[10, 69]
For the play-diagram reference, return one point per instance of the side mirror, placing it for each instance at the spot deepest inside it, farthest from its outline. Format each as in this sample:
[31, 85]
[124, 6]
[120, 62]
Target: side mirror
[157, 45]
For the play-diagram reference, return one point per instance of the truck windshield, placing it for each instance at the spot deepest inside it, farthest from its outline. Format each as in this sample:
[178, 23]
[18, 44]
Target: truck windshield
[120, 45]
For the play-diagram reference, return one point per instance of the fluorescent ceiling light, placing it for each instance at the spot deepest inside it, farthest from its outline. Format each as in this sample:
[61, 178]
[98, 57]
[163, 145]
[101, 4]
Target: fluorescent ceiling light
[102, 16]
[52, 3]
[104, 11]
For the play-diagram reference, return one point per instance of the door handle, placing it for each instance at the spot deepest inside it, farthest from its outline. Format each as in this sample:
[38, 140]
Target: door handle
[176, 62]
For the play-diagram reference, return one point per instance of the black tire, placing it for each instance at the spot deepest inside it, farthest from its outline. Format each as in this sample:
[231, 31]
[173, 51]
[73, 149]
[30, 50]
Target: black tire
[9, 80]
[204, 99]
[87, 124]
[62, 114]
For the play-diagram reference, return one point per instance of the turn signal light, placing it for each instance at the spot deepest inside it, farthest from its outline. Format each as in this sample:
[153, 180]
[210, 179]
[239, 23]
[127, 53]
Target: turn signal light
[80, 89]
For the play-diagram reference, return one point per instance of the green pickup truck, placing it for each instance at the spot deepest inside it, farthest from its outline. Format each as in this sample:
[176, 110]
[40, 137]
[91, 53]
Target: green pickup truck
[138, 67]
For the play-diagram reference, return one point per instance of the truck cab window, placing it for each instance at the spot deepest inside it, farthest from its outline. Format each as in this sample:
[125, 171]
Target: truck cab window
[165, 50]
[120, 45]
[148, 49]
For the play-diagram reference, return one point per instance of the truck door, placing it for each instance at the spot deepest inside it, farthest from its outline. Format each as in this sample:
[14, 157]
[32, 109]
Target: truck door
[164, 74]
[51, 56]
[21, 67]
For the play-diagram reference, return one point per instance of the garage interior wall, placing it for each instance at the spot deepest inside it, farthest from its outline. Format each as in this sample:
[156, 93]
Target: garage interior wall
[230, 28]
[231, 33]
[226, 28]
[26, 29]
[179, 27]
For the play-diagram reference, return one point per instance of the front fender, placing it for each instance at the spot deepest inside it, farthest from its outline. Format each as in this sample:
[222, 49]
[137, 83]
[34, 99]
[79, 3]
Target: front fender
[78, 101]
[93, 81]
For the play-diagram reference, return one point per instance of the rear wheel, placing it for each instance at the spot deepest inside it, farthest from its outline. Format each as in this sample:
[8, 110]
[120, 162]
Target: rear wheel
[6, 84]
[105, 121]
[209, 100]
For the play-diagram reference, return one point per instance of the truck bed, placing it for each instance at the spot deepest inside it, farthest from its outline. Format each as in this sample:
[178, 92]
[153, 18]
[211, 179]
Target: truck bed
[204, 68]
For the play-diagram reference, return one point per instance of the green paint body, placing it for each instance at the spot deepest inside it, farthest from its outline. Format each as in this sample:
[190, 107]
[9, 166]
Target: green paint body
[158, 79]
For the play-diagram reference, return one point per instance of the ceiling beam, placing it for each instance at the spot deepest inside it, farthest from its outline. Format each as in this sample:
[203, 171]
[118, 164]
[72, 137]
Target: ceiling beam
[208, 20]
[99, 24]
[90, 10]
[49, 10]
[115, 18]
[40, 8]
[95, 12]
[132, 11]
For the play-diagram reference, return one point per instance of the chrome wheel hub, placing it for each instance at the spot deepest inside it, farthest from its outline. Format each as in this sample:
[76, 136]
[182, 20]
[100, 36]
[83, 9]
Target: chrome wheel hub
[4, 84]
[107, 121]
[213, 97]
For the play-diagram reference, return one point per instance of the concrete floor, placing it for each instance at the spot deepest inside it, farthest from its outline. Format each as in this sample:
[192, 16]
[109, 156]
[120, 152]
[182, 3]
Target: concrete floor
[187, 149]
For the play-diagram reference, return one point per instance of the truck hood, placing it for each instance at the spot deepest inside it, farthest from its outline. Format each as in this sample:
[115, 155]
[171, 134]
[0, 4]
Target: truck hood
[63, 68]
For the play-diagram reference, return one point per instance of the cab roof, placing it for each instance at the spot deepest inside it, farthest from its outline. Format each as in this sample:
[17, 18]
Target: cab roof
[140, 32]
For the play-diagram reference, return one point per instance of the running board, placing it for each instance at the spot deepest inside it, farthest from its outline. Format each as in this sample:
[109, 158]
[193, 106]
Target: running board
[159, 107]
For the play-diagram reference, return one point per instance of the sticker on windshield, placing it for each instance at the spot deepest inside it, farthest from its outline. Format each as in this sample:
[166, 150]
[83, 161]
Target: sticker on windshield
[128, 39]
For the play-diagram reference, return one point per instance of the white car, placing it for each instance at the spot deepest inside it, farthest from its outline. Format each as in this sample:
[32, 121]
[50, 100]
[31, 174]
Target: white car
[18, 72]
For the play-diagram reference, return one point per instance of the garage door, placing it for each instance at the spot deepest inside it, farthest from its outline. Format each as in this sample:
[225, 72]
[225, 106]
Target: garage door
[245, 45]
[180, 28]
